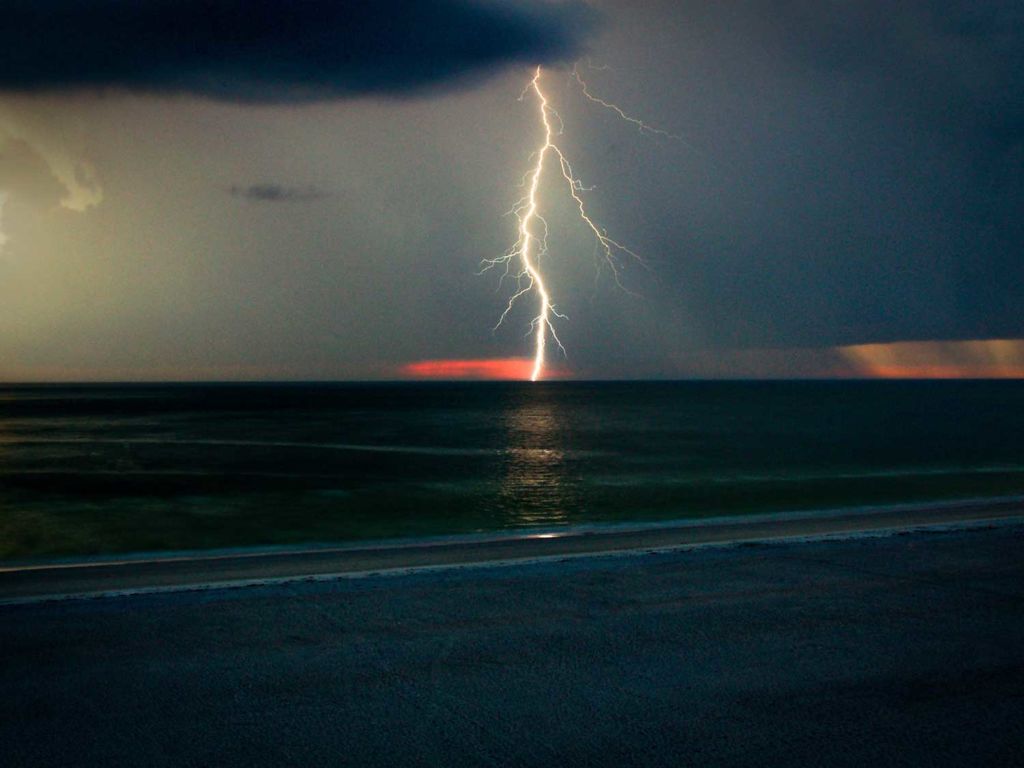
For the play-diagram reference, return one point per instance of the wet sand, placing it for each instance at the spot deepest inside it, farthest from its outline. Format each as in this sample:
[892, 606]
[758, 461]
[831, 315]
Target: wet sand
[891, 650]
[34, 582]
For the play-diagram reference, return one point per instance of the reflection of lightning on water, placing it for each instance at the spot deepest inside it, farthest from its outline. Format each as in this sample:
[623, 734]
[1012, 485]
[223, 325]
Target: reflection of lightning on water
[531, 243]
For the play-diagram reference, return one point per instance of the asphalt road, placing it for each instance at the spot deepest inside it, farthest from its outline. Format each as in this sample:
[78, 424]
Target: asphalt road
[905, 650]
[19, 583]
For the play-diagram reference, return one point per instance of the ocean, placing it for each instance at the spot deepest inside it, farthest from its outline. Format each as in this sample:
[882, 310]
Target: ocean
[92, 469]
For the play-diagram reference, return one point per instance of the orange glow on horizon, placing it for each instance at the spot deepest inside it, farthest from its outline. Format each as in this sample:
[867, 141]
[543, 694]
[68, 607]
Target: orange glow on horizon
[499, 369]
[979, 358]
[943, 372]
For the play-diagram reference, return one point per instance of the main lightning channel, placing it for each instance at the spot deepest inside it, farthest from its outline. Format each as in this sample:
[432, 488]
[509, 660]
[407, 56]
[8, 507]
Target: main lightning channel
[531, 245]
[527, 240]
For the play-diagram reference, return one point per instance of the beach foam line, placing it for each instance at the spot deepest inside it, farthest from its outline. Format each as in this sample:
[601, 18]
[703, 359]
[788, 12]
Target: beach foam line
[424, 450]
[505, 536]
[41, 584]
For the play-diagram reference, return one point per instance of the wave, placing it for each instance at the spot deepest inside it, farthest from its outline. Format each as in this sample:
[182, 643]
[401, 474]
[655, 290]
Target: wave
[425, 450]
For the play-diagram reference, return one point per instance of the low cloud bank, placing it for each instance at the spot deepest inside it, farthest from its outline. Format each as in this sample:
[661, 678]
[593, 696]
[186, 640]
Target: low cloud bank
[277, 50]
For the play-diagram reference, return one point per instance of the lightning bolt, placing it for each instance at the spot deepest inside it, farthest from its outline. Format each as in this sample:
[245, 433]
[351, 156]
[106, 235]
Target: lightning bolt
[640, 124]
[531, 244]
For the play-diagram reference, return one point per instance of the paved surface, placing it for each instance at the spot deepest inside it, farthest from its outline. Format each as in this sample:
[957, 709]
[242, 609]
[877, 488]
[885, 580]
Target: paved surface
[905, 650]
[30, 583]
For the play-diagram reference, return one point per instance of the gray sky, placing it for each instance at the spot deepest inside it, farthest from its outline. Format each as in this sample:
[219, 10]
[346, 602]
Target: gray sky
[850, 174]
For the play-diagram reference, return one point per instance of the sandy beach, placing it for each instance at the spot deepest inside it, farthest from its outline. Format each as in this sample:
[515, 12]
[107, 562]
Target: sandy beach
[860, 650]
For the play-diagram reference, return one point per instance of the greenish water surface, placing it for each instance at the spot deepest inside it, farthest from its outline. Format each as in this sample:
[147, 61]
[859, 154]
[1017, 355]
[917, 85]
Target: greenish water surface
[136, 468]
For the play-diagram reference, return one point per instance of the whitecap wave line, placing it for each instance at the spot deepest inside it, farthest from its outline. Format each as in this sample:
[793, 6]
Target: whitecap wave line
[741, 479]
[425, 450]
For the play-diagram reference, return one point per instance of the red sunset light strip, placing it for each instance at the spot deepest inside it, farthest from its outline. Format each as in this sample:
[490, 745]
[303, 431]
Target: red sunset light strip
[509, 368]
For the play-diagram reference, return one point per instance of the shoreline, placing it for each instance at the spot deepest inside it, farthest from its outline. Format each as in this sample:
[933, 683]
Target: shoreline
[138, 574]
[494, 536]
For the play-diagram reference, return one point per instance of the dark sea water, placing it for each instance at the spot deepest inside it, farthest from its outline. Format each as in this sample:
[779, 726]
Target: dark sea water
[91, 469]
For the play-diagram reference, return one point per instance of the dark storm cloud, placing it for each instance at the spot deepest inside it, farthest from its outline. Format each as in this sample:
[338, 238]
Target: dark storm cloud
[275, 50]
[936, 54]
[277, 193]
[869, 176]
